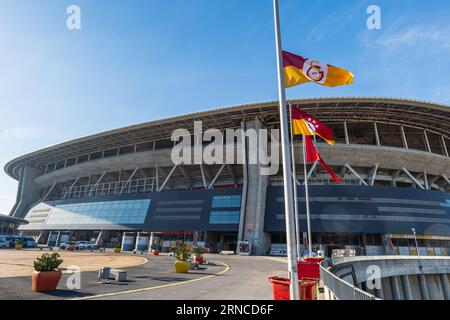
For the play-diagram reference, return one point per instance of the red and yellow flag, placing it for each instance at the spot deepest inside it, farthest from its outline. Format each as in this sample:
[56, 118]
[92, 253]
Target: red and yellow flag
[299, 70]
[307, 125]
[312, 156]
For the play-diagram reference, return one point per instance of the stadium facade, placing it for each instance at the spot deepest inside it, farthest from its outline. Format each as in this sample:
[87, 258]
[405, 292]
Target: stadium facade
[121, 188]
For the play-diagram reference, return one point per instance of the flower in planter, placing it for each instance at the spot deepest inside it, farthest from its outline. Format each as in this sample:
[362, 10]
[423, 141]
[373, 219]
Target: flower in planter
[48, 262]
[46, 275]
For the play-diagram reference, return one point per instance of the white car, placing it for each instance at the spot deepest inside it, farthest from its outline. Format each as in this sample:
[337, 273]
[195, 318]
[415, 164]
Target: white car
[85, 245]
[4, 242]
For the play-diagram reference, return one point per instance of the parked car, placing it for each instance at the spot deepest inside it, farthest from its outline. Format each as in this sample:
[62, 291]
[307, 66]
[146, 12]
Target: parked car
[4, 242]
[28, 242]
[65, 245]
[85, 245]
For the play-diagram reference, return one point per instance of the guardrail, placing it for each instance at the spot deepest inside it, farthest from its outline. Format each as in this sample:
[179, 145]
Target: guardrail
[338, 289]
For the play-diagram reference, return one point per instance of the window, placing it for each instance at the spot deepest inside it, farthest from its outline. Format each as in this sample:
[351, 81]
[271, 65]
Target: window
[227, 201]
[224, 217]
[104, 212]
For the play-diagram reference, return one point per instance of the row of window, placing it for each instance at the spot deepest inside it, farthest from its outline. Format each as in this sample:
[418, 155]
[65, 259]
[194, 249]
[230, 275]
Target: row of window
[224, 217]
[226, 201]
[133, 212]
[122, 212]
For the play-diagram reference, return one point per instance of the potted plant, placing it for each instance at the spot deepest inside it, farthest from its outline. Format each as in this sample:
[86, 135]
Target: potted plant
[182, 253]
[156, 249]
[117, 249]
[19, 244]
[198, 255]
[46, 275]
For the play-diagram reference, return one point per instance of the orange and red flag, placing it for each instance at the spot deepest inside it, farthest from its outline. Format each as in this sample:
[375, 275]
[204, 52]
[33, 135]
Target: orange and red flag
[307, 125]
[312, 156]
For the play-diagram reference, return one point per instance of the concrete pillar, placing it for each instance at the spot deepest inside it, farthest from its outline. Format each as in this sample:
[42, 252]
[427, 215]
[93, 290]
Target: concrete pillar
[255, 204]
[123, 247]
[407, 293]
[49, 238]
[150, 242]
[57, 238]
[195, 238]
[395, 288]
[99, 238]
[39, 237]
[445, 285]
[136, 244]
[424, 293]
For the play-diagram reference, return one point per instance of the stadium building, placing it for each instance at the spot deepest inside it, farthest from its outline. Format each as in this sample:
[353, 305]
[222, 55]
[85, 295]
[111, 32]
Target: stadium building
[121, 188]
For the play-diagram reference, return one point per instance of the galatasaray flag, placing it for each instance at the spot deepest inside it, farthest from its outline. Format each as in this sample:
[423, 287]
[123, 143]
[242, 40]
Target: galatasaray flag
[312, 156]
[299, 70]
[307, 125]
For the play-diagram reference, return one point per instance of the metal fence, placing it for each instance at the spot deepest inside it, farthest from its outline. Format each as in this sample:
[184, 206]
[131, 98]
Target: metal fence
[340, 289]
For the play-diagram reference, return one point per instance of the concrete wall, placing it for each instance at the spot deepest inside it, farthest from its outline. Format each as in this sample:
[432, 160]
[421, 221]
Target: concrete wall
[255, 206]
[415, 279]
[28, 191]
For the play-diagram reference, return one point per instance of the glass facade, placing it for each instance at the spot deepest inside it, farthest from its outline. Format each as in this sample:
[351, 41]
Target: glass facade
[219, 216]
[226, 202]
[105, 212]
[224, 217]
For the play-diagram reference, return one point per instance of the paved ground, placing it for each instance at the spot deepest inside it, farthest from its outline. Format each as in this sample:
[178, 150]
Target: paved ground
[20, 262]
[245, 278]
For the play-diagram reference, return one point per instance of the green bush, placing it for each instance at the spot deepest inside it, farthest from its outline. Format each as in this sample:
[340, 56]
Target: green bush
[48, 262]
[183, 252]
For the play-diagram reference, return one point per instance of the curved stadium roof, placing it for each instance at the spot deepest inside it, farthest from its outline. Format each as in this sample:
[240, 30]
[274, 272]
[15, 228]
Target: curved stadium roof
[5, 218]
[414, 113]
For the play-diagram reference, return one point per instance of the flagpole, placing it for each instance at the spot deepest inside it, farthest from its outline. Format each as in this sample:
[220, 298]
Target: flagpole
[308, 213]
[288, 201]
[294, 178]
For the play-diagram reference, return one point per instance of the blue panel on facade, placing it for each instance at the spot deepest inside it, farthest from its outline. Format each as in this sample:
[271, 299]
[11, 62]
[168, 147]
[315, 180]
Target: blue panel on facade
[362, 209]
[188, 210]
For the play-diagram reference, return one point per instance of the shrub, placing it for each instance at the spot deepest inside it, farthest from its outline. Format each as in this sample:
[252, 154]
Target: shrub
[48, 262]
[183, 252]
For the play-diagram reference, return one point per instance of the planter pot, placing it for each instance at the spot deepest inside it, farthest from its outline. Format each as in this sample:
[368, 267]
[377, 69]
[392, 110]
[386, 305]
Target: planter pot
[309, 268]
[116, 250]
[307, 288]
[18, 246]
[71, 248]
[182, 267]
[199, 259]
[45, 281]
[155, 252]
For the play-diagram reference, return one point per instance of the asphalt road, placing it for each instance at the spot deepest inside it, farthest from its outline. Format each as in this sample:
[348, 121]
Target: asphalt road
[241, 278]
[247, 279]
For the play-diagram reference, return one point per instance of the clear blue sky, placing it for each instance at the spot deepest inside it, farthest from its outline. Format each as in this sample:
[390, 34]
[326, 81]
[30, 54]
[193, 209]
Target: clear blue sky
[139, 60]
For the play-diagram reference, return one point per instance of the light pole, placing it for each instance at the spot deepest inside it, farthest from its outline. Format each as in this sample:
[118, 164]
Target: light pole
[415, 239]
